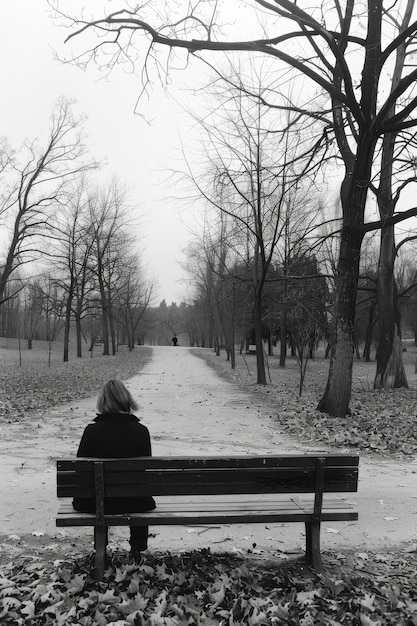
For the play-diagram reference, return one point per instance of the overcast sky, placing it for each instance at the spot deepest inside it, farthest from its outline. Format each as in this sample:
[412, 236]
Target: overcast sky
[140, 154]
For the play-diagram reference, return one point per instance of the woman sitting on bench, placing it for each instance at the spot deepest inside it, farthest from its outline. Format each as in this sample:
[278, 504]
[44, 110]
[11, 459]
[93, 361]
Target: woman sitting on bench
[117, 433]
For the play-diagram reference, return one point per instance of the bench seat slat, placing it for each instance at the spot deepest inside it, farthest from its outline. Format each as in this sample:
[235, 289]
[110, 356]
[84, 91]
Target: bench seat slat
[198, 513]
[250, 502]
[261, 505]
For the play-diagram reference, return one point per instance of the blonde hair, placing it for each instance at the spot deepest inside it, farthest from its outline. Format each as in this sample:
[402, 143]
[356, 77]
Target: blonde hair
[115, 398]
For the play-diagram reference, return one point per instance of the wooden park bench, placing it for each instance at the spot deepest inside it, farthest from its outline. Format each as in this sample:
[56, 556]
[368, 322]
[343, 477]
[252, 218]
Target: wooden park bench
[212, 490]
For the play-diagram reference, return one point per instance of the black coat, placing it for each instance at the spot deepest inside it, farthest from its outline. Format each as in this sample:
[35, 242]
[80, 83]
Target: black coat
[118, 435]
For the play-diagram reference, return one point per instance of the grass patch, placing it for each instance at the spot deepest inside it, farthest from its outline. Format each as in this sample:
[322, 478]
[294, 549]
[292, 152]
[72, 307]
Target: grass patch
[33, 385]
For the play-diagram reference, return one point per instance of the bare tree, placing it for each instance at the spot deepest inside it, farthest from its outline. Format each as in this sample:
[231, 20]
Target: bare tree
[47, 293]
[254, 169]
[199, 269]
[35, 187]
[306, 297]
[33, 311]
[132, 299]
[337, 48]
[107, 228]
[70, 257]
[215, 282]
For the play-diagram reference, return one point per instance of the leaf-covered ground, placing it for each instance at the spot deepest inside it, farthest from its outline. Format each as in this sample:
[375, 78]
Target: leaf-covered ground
[382, 422]
[200, 588]
[33, 385]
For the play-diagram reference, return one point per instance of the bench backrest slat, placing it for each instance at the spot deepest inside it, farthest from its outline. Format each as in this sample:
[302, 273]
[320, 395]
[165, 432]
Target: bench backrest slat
[207, 476]
[188, 462]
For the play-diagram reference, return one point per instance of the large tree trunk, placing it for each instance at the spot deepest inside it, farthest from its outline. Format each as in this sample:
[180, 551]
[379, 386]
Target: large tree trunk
[354, 191]
[336, 398]
[390, 371]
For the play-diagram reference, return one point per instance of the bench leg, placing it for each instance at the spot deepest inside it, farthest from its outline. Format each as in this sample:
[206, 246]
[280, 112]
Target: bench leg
[313, 554]
[100, 542]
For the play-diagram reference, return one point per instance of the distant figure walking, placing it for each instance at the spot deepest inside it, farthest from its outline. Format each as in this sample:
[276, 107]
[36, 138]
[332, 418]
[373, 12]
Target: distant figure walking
[174, 340]
[117, 433]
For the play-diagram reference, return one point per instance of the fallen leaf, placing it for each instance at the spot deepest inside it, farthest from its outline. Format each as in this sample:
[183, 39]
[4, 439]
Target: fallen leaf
[307, 597]
[28, 609]
[368, 601]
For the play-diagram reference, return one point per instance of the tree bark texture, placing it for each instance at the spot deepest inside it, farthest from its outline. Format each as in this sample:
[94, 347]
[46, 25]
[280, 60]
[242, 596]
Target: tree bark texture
[390, 372]
[336, 398]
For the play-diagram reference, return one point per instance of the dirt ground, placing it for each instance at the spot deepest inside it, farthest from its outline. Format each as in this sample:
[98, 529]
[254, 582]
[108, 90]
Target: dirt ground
[190, 410]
